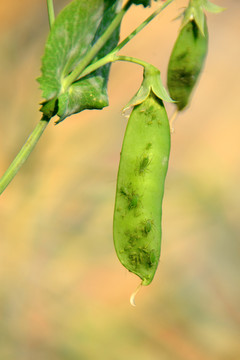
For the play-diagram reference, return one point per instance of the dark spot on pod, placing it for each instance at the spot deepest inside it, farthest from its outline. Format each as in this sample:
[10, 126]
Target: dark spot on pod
[133, 201]
[142, 257]
[144, 164]
[131, 197]
[147, 226]
[148, 146]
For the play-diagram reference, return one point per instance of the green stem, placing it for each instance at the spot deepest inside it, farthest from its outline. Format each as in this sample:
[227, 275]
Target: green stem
[111, 57]
[95, 49]
[132, 60]
[51, 15]
[23, 154]
[34, 136]
[141, 26]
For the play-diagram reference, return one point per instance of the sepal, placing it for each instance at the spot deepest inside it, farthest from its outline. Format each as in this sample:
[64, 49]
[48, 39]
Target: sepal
[151, 83]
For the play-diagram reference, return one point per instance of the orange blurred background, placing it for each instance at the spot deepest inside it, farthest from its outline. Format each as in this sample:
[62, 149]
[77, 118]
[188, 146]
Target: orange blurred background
[63, 293]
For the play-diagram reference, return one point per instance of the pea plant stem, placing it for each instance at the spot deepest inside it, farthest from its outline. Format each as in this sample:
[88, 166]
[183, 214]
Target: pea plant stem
[51, 15]
[23, 154]
[111, 57]
[132, 60]
[96, 47]
[141, 26]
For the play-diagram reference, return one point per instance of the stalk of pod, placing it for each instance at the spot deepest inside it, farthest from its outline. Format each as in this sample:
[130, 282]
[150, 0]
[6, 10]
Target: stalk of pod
[140, 187]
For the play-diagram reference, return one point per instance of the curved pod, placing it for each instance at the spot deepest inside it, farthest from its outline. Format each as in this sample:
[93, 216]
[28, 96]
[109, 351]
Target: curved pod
[140, 187]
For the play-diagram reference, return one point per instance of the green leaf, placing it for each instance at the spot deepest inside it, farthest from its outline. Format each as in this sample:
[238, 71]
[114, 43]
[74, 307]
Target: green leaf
[75, 30]
[49, 108]
[70, 37]
[90, 92]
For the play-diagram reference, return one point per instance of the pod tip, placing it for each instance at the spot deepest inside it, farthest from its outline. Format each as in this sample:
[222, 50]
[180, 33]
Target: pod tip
[132, 297]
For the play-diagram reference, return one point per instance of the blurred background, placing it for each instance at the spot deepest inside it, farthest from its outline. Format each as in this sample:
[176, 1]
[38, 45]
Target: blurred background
[63, 293]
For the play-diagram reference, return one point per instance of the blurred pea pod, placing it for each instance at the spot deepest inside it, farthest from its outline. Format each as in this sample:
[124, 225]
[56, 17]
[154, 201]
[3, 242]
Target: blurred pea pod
[189, 52]
[186, 62]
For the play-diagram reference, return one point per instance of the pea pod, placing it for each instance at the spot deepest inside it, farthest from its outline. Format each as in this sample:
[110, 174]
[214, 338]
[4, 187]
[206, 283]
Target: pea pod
[140, 187]
[186, 61]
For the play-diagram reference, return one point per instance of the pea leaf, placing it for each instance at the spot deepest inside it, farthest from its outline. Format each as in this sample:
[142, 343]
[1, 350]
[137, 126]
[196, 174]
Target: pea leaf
[69, 39]
[75, 30]
[90, 92]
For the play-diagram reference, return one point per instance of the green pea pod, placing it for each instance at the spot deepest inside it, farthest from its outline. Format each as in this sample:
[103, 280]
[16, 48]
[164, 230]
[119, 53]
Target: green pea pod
[186, 62]
[140, 187]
